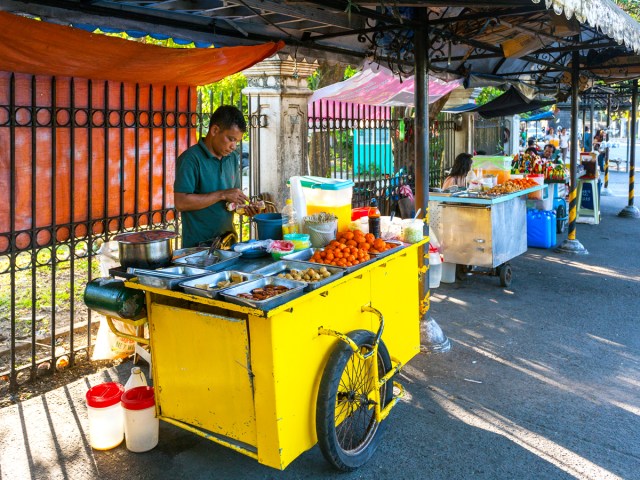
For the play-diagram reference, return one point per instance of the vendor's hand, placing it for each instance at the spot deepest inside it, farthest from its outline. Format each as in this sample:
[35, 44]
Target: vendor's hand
[250, 211]
[234, 195]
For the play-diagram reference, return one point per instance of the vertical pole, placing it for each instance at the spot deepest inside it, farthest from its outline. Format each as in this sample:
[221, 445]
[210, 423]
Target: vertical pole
[605, 189]
[630, 211]
[584, 125]
[432, 338]
[572, 245]
[591, 112]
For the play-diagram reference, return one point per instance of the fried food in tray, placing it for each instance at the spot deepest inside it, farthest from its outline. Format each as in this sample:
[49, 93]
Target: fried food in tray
[263, 293]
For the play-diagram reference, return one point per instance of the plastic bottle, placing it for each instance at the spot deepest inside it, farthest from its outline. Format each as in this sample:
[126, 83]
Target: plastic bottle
[289, 224]
[137, 379]
[374, 218]
[299, 201]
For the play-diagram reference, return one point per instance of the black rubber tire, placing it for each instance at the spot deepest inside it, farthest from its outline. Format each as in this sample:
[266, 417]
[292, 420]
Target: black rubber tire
[506, 275]
[462, 271]
[339, 386]
[561, 212]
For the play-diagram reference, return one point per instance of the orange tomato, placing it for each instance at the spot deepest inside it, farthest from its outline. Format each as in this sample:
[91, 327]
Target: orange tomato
[365, 246]
[348, 235]
[370, 238]
[351, 243]
[379, 244]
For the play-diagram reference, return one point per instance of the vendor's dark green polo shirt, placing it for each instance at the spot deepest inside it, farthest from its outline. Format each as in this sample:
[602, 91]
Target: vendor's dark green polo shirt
[199, 171]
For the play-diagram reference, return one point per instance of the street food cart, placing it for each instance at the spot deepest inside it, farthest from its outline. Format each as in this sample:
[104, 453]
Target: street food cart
[479, 230]
[271, 382]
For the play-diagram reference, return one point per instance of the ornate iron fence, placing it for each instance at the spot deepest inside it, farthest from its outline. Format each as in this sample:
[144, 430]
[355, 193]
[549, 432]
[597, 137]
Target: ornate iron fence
[374, 147]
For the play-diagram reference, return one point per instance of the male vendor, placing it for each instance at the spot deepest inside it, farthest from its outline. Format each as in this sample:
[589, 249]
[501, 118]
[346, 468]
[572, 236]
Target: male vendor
[208, 176]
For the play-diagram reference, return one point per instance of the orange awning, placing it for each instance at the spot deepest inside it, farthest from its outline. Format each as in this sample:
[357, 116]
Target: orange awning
[41, 48]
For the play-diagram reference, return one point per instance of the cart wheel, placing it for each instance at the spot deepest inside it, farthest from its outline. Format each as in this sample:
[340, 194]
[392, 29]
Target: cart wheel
[506, 274]
[462, 271]
[345, 417]
[561, 212]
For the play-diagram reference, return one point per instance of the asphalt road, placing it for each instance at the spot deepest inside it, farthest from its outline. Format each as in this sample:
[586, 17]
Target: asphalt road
[541, 383]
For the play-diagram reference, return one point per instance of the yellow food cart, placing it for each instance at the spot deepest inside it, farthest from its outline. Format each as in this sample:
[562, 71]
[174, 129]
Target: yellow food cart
[272, 383]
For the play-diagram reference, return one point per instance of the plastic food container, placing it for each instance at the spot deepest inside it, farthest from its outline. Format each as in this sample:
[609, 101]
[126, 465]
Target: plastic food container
[300, 240]
[412, 230]
[106, 421]
[141, 426]
[329, 195]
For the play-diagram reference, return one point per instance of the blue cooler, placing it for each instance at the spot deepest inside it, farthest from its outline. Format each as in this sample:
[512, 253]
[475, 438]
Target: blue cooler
[541, 228]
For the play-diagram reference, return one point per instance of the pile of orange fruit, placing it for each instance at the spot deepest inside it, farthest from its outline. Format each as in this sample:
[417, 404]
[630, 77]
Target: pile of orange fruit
[350, 248]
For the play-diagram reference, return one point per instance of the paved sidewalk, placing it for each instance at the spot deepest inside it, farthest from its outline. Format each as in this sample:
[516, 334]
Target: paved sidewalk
[542, 382]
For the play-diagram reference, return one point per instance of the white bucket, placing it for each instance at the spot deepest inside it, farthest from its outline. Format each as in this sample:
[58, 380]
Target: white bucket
[106, 422]
[435, 269]
[141, 426]
[448, 273]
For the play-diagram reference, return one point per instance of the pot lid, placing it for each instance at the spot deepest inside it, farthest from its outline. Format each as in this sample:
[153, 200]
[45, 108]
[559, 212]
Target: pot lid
[148, 236]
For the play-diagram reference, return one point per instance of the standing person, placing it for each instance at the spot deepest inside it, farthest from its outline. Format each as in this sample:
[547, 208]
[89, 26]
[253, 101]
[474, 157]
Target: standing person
[208, 176]
[599, 146]
[459, 171]
[551, 135]
[587, 143]
[564, 143]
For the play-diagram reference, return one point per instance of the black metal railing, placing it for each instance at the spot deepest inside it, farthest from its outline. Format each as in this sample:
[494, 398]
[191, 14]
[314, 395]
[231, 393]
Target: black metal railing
[374, 147]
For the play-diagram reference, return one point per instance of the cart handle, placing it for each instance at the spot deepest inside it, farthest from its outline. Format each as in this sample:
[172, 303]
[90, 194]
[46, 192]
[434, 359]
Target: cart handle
[375, 311]
[351, 343]
[133, 323]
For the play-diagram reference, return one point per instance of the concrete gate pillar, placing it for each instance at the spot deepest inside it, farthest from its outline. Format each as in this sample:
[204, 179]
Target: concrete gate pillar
[278, 94]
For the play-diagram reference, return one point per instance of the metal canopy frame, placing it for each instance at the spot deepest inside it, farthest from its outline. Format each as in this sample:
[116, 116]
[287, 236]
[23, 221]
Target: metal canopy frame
[464, 36]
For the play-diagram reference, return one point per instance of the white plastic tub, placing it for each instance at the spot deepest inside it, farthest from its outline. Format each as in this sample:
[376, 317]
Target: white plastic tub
[448, 273]
[435, 269]
[141, 426]
[106, 421]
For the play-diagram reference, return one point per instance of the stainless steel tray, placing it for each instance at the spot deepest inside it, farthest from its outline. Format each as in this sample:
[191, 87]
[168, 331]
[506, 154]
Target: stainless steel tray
[225, 258]
[195, 286]
[169, 277]
[285, 266]
[305, 256]
[295, 290]
[398, 246]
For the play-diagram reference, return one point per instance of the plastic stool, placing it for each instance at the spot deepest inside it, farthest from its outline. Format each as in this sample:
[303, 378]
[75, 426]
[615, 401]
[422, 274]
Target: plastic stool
[595, 211]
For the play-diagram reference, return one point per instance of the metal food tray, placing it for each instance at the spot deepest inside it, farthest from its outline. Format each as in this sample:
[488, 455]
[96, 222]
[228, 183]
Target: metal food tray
[189, 286]
[305, 256]
[181, 273]
[295, 290]
[398, 246]
[287, 265]
[225, 259]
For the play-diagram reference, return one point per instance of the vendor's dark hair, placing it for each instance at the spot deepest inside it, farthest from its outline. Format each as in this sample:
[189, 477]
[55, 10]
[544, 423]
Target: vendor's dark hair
[228, 116]
[550, 145]
[533, 150]
[461, 165]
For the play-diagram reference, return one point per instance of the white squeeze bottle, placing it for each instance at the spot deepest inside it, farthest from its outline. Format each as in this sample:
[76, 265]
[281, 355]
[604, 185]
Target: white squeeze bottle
[137, 379]
[289, 224]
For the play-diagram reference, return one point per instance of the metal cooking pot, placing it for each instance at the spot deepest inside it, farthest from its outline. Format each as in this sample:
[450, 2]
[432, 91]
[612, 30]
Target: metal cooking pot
[151, 249]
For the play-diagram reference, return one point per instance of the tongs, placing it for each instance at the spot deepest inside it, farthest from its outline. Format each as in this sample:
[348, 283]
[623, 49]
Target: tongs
[215, 244]
[152, 273]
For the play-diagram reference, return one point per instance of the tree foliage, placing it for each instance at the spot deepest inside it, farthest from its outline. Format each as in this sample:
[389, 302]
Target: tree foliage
[487, 94]
[632, 7]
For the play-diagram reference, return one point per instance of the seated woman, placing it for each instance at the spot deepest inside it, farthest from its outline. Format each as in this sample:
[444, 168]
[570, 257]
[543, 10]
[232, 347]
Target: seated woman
[459, 171]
